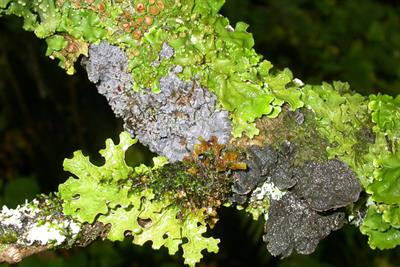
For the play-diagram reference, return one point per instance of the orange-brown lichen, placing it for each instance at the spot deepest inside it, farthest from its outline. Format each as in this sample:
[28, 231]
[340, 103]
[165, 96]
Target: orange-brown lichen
[148, 20]
[212, 153]
[140, 7]
[154, 10]
[137, 34]
[160, 5]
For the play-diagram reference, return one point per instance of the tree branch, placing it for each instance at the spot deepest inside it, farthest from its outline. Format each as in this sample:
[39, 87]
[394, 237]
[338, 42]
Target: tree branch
[233, 130]
[41, 225]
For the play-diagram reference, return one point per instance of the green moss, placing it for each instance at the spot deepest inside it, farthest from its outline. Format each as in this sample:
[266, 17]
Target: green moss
[9, 237]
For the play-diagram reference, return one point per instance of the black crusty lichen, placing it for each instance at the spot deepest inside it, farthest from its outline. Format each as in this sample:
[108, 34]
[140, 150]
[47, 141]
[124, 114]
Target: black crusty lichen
[293, 225]
[327, 185]
[311, 199]
[264, 164]
[170, 122]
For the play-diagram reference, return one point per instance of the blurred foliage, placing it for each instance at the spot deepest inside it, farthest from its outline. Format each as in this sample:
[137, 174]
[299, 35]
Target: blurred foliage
[45, 115]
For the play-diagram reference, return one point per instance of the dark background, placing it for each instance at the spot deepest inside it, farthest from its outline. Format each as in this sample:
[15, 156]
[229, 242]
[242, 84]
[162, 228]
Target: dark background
[45, 115]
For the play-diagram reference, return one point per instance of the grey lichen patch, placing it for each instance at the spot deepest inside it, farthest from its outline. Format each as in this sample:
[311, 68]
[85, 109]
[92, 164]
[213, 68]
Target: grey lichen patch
[107, 68]
[169, 123]
[91, 232]
[293, 226]
[32, 224]
[166, 51]
[327, 185]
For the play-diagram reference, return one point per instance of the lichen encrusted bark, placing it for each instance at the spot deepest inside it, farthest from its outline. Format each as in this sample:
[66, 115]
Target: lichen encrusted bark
[170, 122]
[176, 71]
[40, 225]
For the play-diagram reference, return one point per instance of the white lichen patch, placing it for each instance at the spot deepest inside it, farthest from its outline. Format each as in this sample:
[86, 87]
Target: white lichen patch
[298, 82]
[14, 217]
[44, 234]
[54, 232]
[31, 225]
[267, 189]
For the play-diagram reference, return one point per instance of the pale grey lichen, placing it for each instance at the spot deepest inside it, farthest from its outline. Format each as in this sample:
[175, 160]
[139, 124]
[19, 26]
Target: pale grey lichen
[169, 123]
[166, 51]
[107, 68]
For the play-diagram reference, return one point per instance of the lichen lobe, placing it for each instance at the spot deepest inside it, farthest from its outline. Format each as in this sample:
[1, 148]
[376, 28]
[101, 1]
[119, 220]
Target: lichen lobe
[306, 202]
[327, 185]
[292, 225]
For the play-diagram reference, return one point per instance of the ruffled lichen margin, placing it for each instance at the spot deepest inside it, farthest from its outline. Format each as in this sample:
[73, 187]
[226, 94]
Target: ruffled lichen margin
[276, 137]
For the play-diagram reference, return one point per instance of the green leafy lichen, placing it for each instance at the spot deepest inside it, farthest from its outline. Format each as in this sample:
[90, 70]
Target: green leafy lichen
[109, 194]
[96, 189]
[386, 186]
[221, 58]
[381, 234]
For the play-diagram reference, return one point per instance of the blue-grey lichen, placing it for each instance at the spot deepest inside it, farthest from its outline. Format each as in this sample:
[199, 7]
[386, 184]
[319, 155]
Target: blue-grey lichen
[170, 122]
[292, 225]
[107, 68]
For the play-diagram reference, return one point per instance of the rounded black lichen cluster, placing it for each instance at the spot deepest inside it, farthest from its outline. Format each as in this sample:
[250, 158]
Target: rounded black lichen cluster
[170, 122]
[312, 200]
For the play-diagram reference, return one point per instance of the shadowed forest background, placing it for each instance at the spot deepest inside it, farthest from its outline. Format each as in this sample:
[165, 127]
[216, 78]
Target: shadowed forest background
[45, 115]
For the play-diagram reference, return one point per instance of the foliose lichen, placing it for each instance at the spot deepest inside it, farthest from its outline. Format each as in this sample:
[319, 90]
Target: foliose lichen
[327, 185]
[293, 226]
[111, 194]
[106, 67]
[301, 202]
[263, 165]
[171, 122]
